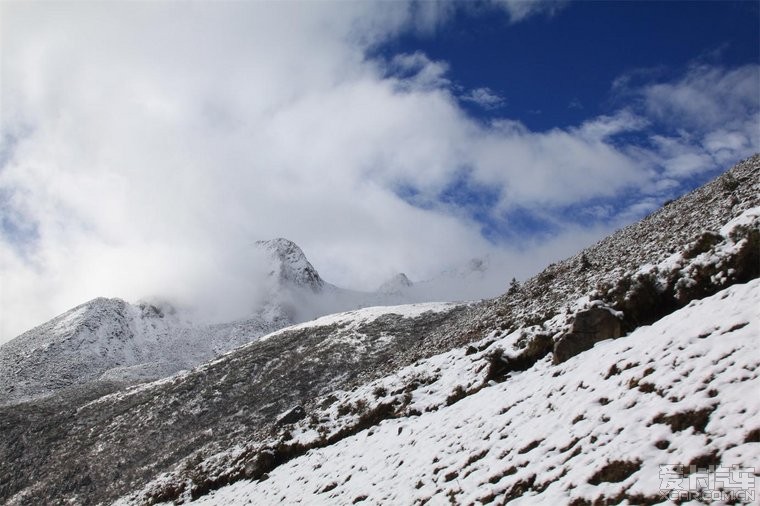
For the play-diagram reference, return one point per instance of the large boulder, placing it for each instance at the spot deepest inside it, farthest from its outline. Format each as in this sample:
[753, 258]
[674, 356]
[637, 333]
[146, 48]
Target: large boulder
[291, 416]
[588, 328]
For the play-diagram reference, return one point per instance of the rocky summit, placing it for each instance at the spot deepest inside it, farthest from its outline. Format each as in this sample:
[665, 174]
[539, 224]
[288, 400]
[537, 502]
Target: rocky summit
[290, 266]
[636, 357]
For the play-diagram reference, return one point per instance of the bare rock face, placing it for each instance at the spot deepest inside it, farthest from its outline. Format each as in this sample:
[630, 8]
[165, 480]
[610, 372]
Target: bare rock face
[291, 416]
[589, 327]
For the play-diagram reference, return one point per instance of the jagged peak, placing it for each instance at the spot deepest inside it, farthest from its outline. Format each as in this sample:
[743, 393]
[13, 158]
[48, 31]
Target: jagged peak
[395, 284]
[279, 244]
[290, 265]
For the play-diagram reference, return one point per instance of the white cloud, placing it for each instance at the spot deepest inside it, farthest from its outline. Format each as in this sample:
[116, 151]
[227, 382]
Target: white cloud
[416, 71]
[604, 127]
[706, 98]
[147, 145]
[555, 168]
[160, 140]
[484, 97]
[520, 10]
[714, 112]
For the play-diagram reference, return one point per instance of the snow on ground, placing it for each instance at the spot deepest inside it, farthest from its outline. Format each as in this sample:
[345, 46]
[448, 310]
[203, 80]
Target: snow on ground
[437, 382]
[729, 240]
[357, 317]
[350, 323]
[681, 391]
[112, 340]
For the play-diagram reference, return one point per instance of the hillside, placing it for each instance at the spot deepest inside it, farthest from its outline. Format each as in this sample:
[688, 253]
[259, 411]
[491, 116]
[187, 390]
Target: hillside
[114, 343]
[593, 429]
[450, 381]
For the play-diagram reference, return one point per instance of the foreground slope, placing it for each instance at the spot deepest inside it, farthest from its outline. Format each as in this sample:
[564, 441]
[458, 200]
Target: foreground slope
[661, 370]
[593, 429]
[313, 386]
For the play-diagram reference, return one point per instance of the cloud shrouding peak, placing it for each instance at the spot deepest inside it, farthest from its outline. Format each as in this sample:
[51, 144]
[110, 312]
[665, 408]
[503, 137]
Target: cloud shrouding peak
[147, 146]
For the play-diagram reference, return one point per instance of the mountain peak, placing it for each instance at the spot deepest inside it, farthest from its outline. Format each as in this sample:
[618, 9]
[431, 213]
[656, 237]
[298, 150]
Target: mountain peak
[396, 284]
[290, 265]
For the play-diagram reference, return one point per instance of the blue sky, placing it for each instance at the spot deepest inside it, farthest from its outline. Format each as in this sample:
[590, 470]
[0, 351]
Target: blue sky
[561, 68]
[145, 146]
[558, 70]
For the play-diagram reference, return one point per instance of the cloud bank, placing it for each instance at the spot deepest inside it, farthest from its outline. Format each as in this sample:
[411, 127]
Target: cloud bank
[146, 146]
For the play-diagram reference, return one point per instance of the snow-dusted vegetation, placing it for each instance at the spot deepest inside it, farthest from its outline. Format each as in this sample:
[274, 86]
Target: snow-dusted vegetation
[593, 429]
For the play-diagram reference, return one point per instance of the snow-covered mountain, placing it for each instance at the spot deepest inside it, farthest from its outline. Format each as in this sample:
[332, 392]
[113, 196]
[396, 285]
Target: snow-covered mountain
[115, 343]
[638, 352]
[290, 267]
[396, 284]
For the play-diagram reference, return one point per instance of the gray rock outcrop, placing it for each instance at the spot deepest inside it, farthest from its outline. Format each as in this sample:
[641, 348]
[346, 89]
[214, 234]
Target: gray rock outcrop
[589, 327]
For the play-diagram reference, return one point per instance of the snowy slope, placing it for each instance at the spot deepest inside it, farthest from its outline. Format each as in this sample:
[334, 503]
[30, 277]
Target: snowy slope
[220, 403]
[596, 428]
[114, 342]
[396, 284]
[82, 344]
[110, 340]
[290, 267]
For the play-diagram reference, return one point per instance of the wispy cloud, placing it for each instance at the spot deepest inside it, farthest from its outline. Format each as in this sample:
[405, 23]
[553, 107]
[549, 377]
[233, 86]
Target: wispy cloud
[484, 97]
[706, 98]
[709, 116]
[520, 10]
[416, 71]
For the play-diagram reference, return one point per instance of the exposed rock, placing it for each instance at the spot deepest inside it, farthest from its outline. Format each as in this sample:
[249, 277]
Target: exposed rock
[696, 419]
[589, 327]
[292, 416]
[615, 472]
[533, 348]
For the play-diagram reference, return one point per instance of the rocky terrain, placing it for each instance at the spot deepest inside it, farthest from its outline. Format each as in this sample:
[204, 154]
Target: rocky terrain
[525, 397]
[566, 434]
